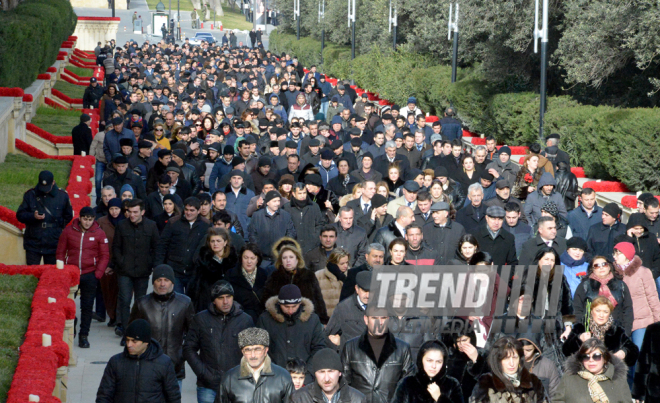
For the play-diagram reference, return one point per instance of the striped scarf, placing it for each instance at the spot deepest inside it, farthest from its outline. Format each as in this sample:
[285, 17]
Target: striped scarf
[595, 390]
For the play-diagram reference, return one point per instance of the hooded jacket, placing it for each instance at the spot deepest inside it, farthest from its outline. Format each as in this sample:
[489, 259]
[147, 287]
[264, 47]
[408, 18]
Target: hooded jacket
[211, 346]
[299, 335]
[148, 378]
[542, 367]
[536, 199]
[574, 389]
[376, 378]
[413, 388]
[646, 246]
[89, 250]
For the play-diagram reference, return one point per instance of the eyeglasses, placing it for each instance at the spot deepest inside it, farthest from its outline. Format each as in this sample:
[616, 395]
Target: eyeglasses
[255, 350]
[599, 265]
[596, 357]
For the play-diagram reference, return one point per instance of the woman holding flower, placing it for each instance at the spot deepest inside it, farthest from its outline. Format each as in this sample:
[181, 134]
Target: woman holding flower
[527, 178]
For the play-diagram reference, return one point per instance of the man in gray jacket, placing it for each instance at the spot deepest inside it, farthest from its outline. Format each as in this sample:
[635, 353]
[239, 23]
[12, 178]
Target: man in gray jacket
[545, 192]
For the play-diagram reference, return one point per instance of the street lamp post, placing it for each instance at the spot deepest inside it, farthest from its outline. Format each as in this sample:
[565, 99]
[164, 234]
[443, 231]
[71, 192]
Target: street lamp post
[543, 35]
[392, 24]
[178, 21]
[296, 16]
[322, 17]
[351, 24]
[453, 26]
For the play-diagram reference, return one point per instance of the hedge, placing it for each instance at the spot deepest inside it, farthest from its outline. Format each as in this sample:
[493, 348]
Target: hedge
[610, 143]
[30, 37]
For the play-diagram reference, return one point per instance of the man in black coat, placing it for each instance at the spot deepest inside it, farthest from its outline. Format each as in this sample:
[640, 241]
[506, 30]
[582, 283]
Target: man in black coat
[270, 224]
[374, 256]
[81, 135]
[601, 236]
[306, 216]
[376, 361]
[363, 206]
[396, 229]
[154, 201]
[347, 320]
[182, 187]
[142, 373]
[471, 217]
[179, 242]
[351, 237]
[382, 163]
[122, 176]
[256, 378]
[169, 314]
[45, 211]
[499, 243]
[546, 236]
[442, 233]
[317, 257]
[209, 355]
[452, 128]
[133, 250]
[92, 95]
[293, 325]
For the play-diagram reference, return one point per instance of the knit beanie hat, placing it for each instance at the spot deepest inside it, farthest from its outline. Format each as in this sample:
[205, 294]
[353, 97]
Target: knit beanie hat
[289, 294]
[271, 195]
[221, 287]
[253, 336]
[577, 243]
[613, 210]
[139, 330]
[114, 202]
[163, 270]
[378, 200]
[326, 359]
[626, 248]
[550, 207]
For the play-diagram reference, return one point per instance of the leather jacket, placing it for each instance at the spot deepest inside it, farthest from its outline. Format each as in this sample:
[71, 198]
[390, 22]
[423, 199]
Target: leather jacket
[170, 319]
[376, 379]
[238, 385]
[312, 393]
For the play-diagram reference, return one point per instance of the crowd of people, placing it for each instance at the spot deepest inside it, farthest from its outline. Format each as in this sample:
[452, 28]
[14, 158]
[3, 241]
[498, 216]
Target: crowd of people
[257, 198]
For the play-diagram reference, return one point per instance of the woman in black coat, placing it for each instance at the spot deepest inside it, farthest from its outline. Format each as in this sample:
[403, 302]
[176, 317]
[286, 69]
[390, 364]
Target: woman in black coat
[601, 276]
[215, 259]
[248, 280]
[430, 384]
[602, 326]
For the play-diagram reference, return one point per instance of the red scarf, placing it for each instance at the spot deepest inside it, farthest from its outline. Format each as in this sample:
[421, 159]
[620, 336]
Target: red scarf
[604, 290]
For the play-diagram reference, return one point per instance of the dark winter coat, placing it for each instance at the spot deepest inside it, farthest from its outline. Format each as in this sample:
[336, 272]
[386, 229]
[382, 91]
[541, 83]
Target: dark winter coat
[170, 319]
[307, 221]
[472, 218]
[521, 232]
[207, 272]
[615, 339]
[41, 236]
[372, 226]
[300, 335]
[646, 246]
[238, 204]
[340, 187]
[211, 346]
[574, 389]
[580, 222]
[444, 239]
[248, 296]
[542, 367]
[413, 388]
[354, 240]
[266, 229]
[422, 256]
[134, 248]
[82, 139]
[567, 187]
[316, 259]
[128, 178]
[588, 291]
[149, 378]
[377, 379]
[178, 244]
[382, 164]
[537, 198]
[502, 249]
[88, 250]
[451, 128]
[154, 204]
[600, 239]
[305, 279]
[462, 368]
[387, 234]
[348, 288]
[312, 393]
[532, 246]
[491, 389]
[646, 385]
[321, 197]
[347, 320]
[238, 385]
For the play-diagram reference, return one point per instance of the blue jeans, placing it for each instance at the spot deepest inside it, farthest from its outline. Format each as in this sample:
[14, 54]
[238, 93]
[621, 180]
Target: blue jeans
[181, 284]
[637, 338]
[324, 107]
[205, 395]
[100, 168]
[180, 381]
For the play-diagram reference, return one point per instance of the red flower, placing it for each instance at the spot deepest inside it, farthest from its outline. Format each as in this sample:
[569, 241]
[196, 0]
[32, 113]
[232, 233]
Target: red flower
[528, 178]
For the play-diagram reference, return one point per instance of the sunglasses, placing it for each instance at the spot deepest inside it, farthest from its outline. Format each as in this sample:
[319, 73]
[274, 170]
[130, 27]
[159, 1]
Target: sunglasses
[596, 357]
[599, 265]
[198, 124]
[158, 130]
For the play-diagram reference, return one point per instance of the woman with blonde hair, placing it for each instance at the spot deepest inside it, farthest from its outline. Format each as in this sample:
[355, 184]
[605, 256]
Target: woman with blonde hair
[328, 278]
[354, 195]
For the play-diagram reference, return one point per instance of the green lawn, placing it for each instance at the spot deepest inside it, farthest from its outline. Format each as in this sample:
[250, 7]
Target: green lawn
[15, 298]
[82, 72]
[56, 121]
[231, 19]
[72, 90]
[18, 174]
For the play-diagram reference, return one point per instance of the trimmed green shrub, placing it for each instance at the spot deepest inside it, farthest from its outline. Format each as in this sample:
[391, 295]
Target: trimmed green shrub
[30, 37]
[610, 143]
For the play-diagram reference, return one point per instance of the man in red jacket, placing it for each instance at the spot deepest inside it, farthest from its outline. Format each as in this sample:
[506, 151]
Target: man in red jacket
[85, 245]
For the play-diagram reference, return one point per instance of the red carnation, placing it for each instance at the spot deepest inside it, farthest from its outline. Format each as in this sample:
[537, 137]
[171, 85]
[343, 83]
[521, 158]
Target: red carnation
[528, 178]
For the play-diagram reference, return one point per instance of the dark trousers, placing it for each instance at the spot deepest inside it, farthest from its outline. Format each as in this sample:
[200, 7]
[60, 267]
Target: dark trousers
[98, 301]
[181, 283]
[87, 287]
[34, 258]
[129, 287]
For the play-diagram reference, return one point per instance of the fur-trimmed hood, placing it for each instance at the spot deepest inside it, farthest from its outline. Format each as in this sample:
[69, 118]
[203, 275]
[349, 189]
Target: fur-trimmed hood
[615, 370]
[304, 313]
[635, 264]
